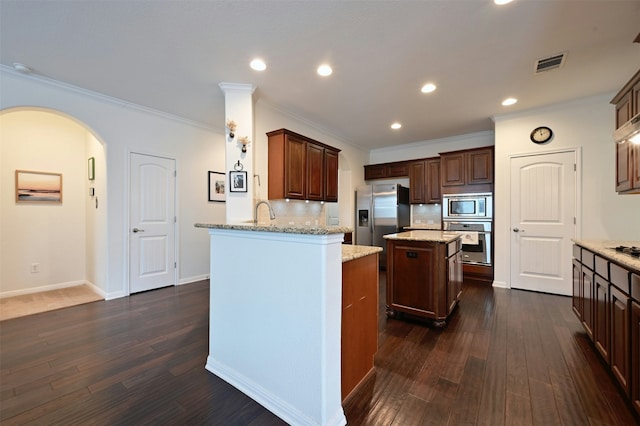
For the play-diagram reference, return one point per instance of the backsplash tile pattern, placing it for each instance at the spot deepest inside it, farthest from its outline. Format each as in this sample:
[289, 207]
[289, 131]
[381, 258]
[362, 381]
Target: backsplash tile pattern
[294, 212]
[426, 214]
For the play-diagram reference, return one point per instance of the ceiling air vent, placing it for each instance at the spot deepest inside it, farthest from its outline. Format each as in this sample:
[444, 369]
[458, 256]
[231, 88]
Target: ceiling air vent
[550, 63]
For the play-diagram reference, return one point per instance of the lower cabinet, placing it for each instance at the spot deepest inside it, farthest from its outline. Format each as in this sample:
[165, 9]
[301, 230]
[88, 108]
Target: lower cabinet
[606, 299]
[635, 355]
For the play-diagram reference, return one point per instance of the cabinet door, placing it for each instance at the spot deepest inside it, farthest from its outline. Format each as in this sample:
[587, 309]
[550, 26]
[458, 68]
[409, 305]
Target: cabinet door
[432, 182]
[588, 315]
[416, 182]
[398, 169]
[624, 110]
[601, 317]
[635, 355]
[479, 165]
[619, 320]
[375, 171]
[454, 280]
[315, 172]
[295, 167]
[623, 166]
[414, 269]
[634, 167]
[452, 169]
[576, 300]
[331, 175]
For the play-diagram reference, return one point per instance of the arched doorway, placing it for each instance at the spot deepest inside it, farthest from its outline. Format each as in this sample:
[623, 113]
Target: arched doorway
[51, 246]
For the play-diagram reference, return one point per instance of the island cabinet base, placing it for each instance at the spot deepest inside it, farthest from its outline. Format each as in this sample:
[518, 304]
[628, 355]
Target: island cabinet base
[424, 278]
[359, 320]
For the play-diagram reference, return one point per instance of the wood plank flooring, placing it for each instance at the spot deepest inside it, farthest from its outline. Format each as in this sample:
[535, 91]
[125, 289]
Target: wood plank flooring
[505, 358]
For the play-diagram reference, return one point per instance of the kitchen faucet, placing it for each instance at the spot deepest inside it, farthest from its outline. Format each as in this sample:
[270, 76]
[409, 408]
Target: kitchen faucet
[272, 215]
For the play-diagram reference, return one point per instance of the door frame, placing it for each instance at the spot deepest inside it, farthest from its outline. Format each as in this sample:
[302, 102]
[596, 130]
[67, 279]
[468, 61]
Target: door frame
[127, 204]
[577, 156]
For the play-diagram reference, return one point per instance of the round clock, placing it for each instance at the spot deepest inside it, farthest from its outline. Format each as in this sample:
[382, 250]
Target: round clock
[541, 134]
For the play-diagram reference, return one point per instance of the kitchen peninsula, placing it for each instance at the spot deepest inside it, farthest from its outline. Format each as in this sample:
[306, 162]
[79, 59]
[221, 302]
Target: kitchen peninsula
[275, 316]
[424, 274]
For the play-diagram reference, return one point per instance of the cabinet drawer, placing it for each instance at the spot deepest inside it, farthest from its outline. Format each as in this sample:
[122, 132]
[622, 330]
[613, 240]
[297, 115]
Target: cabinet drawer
[602, 267]
[635, 287]
[454, 247]
[588, 259]
[576, 252]
[620, 277]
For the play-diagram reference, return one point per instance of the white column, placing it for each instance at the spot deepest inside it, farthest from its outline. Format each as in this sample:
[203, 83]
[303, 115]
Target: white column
[239, 108]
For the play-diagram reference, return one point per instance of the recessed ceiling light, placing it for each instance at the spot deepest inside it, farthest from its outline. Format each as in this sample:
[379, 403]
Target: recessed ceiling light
[501, 2]
[428, 88]
[509, 101]
[396, 126]
[258, 65]
[324, 70]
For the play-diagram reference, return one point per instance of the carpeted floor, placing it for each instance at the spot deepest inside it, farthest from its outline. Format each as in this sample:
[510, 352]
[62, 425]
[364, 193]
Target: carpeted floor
[28, 304]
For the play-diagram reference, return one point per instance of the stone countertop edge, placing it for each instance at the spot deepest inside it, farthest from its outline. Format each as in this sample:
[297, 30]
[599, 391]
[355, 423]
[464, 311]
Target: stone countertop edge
[606, 249]
[433, 227]
[431, 236]
[353, 252]
[307, 230]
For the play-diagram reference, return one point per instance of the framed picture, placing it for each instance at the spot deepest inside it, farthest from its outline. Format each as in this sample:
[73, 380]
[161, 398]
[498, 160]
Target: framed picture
[237, 181]
[216, 186]
[38, 187]
[92, 168]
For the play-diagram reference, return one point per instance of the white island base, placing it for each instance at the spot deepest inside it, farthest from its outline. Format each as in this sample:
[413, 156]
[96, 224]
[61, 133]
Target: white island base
[275, 312]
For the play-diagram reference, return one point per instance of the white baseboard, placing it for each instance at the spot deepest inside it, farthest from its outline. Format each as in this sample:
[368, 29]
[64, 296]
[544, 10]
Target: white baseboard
[42, 288]
[193, 279]
[500, 284]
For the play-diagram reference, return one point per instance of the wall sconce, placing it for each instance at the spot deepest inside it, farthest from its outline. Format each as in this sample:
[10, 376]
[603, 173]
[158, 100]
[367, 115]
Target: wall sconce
[244, 140]
[231, 125]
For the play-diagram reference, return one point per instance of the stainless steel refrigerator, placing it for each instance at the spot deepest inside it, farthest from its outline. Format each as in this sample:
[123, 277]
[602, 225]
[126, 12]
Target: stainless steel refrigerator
[381, 209]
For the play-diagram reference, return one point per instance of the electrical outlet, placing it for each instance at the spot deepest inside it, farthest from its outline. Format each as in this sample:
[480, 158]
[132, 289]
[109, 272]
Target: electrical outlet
[308, 222]
[35, 268]
[430, 222]
[418, 221]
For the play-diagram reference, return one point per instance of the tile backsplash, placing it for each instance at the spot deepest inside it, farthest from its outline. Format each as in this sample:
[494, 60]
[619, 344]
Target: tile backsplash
[426, 214]
[294, 212]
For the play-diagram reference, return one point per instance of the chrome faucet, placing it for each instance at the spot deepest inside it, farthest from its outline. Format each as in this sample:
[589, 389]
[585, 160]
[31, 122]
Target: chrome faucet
[272, 215]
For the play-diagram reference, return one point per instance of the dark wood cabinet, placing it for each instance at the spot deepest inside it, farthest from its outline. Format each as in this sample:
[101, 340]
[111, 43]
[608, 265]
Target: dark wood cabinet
[619, 320]
[424, 181]
[424, 278]
[331, 175]
[467, 171]
[627, 104]
[301, 168]
[386, 170]
[635, 353]
[615, 315]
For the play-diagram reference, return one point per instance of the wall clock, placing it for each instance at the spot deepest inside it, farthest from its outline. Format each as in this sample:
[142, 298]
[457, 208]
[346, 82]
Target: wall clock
[542, 134]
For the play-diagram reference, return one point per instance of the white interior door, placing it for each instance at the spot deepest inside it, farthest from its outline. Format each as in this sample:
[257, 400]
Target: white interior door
[152, 223]
[543, 211]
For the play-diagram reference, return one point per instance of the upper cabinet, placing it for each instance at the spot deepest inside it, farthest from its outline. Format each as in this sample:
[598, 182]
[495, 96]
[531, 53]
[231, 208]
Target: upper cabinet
[469, 170]
[301, 168]
[627, 103]
[424, 181]
[387, 170]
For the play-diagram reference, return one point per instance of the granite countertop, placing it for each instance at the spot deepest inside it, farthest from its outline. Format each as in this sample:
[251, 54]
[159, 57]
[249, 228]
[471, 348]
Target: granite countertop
[352, 252]
[286, 229]
[421, 227]
[605, 248]
[433, 236]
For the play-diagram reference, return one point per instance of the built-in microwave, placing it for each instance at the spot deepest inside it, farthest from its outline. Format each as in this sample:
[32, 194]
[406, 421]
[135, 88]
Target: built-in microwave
[467, 206]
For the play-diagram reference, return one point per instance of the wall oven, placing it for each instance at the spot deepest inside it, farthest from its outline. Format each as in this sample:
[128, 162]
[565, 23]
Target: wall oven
[463, 207]
[476, 240]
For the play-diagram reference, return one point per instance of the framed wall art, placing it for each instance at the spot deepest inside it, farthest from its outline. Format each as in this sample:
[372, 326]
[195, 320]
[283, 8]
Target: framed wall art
[38, 187]
[237, 181]
[216, 186]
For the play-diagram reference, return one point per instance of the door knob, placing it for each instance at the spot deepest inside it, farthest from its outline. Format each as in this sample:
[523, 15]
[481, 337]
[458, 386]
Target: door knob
[514, 230]
[137, 230]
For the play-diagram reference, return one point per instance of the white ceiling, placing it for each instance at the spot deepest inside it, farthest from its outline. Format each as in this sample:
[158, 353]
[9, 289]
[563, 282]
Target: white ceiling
[171, 56]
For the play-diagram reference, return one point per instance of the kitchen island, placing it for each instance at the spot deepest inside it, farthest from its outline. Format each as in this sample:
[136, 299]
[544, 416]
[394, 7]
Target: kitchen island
[275, 317]
[424, 274]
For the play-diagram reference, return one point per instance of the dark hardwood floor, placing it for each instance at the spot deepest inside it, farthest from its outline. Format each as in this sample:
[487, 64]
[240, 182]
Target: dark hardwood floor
[505, 358]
